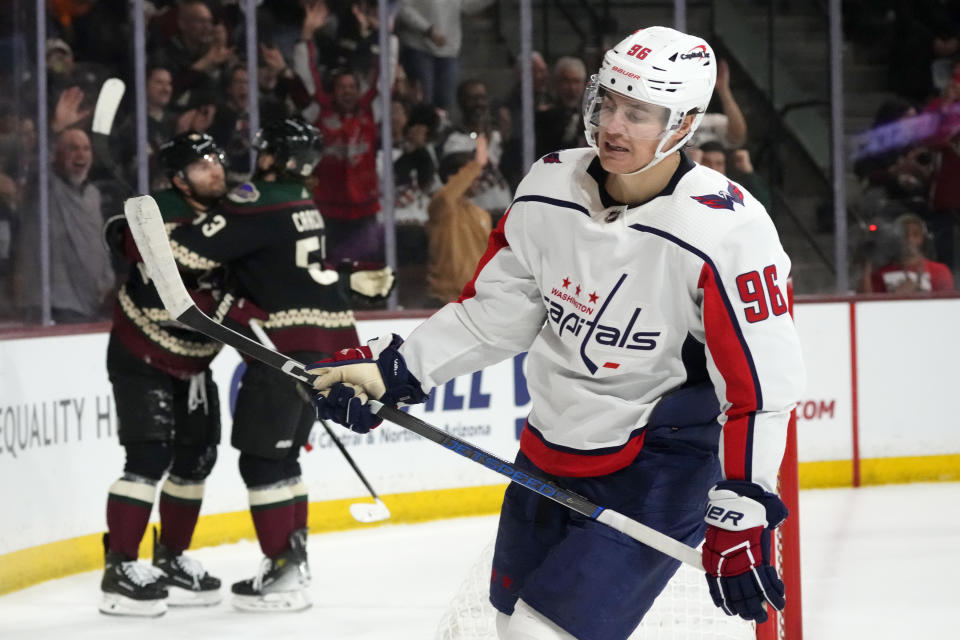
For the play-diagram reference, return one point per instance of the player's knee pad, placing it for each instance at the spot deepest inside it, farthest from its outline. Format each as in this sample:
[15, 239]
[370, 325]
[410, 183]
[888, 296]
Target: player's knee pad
[259, 472]
[193, 463]
[148, 459]
[527, 623]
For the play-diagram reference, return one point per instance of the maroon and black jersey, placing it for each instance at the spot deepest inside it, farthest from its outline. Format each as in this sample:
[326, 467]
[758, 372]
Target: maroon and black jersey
[140, 321]
[270, 236]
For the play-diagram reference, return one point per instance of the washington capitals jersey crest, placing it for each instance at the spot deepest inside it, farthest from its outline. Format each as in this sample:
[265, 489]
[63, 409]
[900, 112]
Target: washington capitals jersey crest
[612, 304]
[723, 200]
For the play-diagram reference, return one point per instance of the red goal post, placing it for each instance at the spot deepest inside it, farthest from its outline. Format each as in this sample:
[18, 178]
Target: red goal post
[788, 624]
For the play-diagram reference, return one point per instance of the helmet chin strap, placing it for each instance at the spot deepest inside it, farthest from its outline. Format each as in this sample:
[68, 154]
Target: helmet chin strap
[659, 154]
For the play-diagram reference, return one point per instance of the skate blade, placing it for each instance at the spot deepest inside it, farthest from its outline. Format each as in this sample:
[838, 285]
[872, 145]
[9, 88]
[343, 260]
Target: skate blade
[114, 604]
[180, 597]
[281, 601]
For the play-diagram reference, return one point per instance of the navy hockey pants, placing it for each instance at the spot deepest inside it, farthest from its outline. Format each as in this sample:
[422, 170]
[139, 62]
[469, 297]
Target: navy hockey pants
[593, 581]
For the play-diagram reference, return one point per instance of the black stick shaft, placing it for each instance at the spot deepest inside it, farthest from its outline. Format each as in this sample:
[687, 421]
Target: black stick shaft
[349, 458]
[545, 488]
[265, 341]
[193, 317]
[198, 320]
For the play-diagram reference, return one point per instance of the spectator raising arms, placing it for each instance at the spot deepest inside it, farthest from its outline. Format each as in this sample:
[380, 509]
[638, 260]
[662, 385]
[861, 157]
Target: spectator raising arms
[458, 229]
[490, 191]
[729, 127]
[347, 187]
[80, 273]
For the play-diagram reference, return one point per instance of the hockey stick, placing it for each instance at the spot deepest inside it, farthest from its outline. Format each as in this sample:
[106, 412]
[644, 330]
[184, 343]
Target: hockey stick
[361, 511]
[148, 231]
[103, 115]
[573, 501]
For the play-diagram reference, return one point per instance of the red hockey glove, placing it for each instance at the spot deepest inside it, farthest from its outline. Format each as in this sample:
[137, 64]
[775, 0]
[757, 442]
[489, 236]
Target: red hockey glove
[736, 552]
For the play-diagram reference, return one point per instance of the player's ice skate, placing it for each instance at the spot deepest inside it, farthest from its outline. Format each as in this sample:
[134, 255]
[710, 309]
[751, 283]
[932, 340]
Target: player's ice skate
[131, 588]
[281, 584]
[188, 583]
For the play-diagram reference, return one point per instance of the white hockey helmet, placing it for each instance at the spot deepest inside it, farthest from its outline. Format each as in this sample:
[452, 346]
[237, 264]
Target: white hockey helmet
[660, 66]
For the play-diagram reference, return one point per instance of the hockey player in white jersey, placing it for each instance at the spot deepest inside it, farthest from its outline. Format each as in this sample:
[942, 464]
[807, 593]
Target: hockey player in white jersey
[662, 365]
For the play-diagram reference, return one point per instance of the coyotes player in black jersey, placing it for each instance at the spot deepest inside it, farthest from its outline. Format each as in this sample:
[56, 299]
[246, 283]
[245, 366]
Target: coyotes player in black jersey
[167, 407]
[270, 237]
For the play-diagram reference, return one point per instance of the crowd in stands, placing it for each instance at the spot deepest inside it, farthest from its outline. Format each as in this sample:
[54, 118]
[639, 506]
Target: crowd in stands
[456, 148]
[316, 58]
[908, 162]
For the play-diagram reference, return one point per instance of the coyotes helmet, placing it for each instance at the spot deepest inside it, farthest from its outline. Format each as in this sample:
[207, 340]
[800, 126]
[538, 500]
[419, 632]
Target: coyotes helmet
[184, 149]
[296, 146]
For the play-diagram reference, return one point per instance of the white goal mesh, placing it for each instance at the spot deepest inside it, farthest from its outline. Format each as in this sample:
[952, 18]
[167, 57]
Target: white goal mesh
[684, 611]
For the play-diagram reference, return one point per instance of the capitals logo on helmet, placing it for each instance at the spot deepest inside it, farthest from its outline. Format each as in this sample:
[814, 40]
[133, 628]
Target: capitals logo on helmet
[660, 66]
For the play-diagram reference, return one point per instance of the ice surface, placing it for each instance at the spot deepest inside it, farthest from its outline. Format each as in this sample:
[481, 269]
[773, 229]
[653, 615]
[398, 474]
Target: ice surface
[878, 563]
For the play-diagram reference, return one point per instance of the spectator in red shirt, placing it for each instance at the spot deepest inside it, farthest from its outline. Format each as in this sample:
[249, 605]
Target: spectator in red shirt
[347, 187]
[911, 272]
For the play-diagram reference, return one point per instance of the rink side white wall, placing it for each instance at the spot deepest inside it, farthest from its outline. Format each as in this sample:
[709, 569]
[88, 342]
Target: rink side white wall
[59, 453]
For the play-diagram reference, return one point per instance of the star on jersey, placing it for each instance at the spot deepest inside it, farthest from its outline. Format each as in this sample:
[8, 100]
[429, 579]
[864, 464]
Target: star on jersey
[723, 200]
[584, 325]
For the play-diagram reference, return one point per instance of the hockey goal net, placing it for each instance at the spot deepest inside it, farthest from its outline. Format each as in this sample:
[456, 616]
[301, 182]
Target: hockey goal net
[684, 610]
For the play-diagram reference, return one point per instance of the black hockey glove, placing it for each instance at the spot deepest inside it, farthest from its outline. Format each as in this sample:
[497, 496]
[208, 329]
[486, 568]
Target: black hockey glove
[736, 552]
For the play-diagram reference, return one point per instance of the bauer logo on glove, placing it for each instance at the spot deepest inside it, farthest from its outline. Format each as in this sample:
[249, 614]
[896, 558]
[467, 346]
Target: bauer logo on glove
[736, 551]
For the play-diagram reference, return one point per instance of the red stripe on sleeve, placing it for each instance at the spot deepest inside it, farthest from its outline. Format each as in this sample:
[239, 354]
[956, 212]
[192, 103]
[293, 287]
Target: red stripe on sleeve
[497, 241]
[734, 364]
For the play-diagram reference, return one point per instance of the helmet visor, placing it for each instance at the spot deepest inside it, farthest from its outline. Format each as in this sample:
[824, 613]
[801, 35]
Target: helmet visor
[205, 164]
[616, 114]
